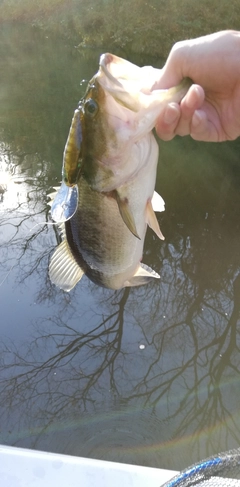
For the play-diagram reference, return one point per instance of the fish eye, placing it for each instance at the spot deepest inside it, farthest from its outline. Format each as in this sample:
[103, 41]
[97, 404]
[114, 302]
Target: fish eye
[91, 107]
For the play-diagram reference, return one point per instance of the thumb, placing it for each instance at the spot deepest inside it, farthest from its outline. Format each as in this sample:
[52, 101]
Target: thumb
[172, 72]
[168, 78]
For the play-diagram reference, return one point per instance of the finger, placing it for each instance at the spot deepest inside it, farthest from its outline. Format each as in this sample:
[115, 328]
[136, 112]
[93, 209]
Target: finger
[168, 121]
[166, 79]
[192, 101]
[202, 128]
[177, 66]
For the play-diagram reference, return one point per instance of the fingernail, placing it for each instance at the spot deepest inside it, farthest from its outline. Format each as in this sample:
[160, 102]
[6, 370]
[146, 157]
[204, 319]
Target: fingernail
[171, 114]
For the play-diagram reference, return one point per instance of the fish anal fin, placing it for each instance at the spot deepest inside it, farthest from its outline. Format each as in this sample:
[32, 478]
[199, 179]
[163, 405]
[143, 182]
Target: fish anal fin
[152, 220]
[142, 276]
[64, 271]
[126, 213]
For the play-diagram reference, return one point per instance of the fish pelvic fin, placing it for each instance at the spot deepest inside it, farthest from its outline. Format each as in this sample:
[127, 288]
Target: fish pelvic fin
[158, 203]
[152, 220]
[142, 276]
[126, 213]
[64, 271]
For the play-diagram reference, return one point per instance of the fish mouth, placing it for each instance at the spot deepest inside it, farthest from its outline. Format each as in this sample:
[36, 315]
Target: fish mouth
[132, 86]
[126, 75]
[120, 79]
[106, 64]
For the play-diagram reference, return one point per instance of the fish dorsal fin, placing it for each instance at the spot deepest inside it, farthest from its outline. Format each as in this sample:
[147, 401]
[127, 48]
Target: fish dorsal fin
[142, 276]
[152, 221]
[64, 271]
[158, 203]
[126, 213]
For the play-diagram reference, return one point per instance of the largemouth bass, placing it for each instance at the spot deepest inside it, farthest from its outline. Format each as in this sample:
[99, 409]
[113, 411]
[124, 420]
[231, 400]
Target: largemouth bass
[107, 196]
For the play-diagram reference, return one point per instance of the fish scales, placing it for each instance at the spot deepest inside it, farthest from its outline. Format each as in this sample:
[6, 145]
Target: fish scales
[99, 242]
[105, 243]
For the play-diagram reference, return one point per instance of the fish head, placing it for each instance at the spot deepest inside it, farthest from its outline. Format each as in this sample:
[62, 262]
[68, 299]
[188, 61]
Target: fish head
[110, 136]
[133, 88]
[118, 113]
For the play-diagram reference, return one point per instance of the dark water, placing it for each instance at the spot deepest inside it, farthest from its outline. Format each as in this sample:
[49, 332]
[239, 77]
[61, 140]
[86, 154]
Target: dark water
[148, 375]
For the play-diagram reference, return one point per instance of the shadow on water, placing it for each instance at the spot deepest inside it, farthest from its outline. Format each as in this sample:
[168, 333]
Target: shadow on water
[146, 375]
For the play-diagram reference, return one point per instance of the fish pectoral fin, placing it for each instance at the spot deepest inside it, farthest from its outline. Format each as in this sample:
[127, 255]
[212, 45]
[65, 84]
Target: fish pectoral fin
[126, 213]
[142, 276]
[64, 271]
[152, 221]
[158, 203]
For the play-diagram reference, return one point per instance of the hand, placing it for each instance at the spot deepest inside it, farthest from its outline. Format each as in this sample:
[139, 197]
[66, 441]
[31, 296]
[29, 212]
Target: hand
[210, 111]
